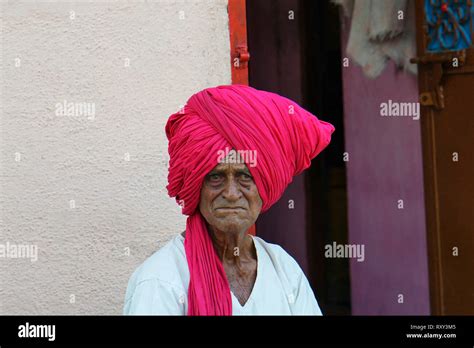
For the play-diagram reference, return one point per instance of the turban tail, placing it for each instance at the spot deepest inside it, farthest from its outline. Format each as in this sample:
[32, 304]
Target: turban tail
[285, 138]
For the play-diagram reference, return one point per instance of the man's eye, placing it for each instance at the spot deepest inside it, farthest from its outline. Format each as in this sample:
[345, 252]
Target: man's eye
[247, 177]
[214, 177]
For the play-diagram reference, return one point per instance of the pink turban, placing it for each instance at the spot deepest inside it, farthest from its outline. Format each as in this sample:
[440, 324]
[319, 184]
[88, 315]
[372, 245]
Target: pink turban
[285, 137]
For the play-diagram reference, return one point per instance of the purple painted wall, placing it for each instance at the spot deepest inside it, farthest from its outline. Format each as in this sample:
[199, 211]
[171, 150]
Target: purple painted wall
[287, 227]
[385, 165]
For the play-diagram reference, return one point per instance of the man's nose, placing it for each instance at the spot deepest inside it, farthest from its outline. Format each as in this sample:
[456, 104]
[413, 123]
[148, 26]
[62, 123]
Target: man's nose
[231, 191]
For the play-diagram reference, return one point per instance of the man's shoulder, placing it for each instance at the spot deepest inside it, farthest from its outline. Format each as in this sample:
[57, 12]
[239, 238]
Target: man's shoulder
[167, 264]
[280, 257]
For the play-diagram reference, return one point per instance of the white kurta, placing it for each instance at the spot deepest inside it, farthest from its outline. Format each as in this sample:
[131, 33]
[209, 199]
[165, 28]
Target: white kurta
[160, 284]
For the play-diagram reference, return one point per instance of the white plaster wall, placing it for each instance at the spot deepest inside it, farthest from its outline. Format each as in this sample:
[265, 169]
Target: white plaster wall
[48, 160]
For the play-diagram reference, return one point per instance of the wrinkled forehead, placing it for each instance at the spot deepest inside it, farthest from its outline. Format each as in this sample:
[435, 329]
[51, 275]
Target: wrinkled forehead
[232, 162]
[230, 167]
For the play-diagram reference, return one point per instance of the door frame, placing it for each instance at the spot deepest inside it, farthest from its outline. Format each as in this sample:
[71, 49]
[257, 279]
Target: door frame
[429, 115]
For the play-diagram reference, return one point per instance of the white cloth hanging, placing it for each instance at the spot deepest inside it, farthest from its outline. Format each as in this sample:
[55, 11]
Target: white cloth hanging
[381, 30]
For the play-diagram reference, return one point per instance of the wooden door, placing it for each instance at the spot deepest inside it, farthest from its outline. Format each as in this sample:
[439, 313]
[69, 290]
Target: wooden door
[446, 83]
[239, 55]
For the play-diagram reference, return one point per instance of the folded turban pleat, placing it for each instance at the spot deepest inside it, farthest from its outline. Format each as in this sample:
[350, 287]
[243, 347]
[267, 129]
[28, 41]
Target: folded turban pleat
[284, 136]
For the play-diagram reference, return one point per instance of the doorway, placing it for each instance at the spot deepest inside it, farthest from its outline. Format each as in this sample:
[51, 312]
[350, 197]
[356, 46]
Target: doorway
[295, 51]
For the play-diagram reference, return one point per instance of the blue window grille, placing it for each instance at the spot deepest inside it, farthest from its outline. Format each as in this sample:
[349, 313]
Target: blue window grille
[450, 24]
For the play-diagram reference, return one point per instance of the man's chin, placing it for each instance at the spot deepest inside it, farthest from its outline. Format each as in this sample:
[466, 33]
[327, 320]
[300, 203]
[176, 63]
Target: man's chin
[230, 225]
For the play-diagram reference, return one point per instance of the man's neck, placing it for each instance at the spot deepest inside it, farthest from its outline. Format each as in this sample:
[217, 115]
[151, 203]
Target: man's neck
[232, 247]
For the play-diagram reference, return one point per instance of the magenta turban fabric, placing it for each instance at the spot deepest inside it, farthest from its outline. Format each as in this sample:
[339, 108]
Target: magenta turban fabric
[285, 136]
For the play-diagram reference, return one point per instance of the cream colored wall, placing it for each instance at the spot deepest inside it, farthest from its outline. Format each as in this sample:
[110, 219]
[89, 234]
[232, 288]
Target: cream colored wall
[86, 189]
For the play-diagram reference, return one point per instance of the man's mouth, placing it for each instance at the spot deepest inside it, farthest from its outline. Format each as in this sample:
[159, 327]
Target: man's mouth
[230, 208]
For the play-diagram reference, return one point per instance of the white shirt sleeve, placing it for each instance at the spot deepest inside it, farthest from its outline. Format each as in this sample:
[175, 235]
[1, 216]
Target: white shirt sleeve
[154, 297]
[299, 294]
[305, 302]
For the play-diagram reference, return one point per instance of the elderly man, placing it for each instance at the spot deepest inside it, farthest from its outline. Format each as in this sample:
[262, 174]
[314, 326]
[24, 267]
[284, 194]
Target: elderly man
[233, 151]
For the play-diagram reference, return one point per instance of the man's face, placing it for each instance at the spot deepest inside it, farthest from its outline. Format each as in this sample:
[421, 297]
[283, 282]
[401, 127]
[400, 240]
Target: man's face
[230, 201]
